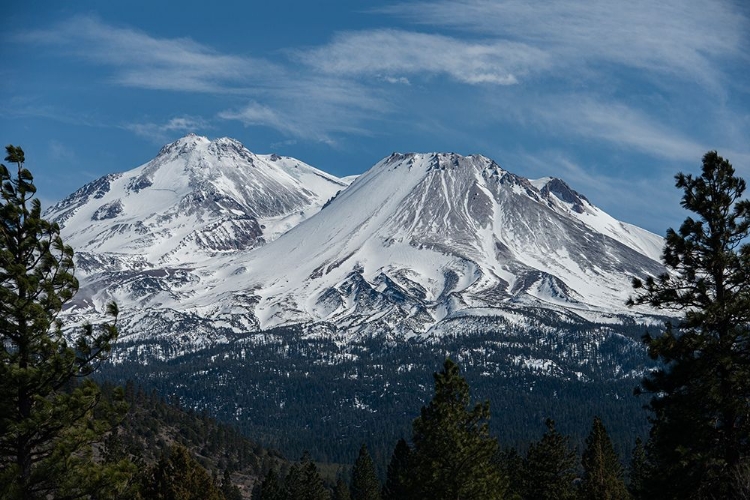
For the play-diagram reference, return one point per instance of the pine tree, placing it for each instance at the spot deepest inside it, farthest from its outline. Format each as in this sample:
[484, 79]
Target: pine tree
[512, 467]
[700, 432]
[47, 420]
[177, 476]
[602, 471]
[365, 484]
[269, 489]
[396, 481]
[549, 467]
[293, 486]
[637, 471]
[453, 454]
[228, 489]
[341, 491]
[304, 482]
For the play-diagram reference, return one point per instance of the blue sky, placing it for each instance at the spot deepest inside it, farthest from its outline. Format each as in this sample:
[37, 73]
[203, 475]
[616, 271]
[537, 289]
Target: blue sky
[614, 97]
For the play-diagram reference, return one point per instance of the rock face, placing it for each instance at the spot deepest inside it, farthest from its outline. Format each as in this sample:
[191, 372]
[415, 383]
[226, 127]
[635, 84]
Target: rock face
[209, 240]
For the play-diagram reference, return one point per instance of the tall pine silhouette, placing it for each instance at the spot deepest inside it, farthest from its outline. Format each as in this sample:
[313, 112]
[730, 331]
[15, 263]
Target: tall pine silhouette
[48, 422]
[365, 485]
[453, 455]
[602, 471]
[700, 435]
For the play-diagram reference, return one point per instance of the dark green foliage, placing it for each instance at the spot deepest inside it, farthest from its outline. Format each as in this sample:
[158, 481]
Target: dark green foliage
[365, 484]
[177, 476]
[151, 425]
[389, 378]
[396, 481]
[453, 450]
[48, 422]
[269, 489]
[637, 472]
[549, 468]
[602, 471]
[341, 490]
[293, 486]
[511, 465]
[304, 482]
[228, 489]
[700, 433]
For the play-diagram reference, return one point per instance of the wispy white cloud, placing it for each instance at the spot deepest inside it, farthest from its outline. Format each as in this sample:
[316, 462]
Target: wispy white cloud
[33, 107]
[566, 67]
[315, 109]
[620, 125]
[396, 53]
[256, 114]
[159, 133]
[285, 97]
[61, 153]
[686, 38]
[143, 61]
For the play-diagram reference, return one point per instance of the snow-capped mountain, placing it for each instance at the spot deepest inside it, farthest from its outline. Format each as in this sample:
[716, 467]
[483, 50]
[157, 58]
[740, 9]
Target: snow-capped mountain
[423, 237]
[209, 240]
[294, 303]
[197, 197]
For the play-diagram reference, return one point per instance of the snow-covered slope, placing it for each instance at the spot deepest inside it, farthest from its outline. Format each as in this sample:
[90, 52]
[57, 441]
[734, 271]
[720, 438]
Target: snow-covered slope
[414, 243]
[197, 198]
[421, 237]
[149, 235]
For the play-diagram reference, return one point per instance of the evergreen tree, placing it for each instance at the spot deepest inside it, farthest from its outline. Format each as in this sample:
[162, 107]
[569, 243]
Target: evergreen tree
[602, 471]
[293, 483]
[549, 468]
[48, 422]
[365, 484]
[228, 489]
[453, 454]
[341, 491]
[637, 472]
[304, 482]
[512, 467]
[396, 481]
[177, 476]
[269, 489]
[700, 432]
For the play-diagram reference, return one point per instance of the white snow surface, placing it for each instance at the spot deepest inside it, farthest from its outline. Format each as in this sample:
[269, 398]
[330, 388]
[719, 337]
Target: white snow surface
[195, 199]
[230, 241]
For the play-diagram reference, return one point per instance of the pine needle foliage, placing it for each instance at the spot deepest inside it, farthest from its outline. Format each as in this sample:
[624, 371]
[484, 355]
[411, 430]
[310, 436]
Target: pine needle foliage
[453, 455]
[550, 467]
[602, 471]
[700, 433]
[48, 421]
[365, 484]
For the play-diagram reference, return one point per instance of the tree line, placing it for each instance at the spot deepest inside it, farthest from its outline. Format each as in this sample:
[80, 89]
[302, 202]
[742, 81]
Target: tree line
[54, 419]
[452, 455]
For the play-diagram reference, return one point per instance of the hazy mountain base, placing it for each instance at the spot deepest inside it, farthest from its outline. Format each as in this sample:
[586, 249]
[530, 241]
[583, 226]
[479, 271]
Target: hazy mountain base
[298, 388]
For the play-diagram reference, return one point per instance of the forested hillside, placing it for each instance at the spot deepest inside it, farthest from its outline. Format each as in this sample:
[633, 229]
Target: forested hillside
[298, 392]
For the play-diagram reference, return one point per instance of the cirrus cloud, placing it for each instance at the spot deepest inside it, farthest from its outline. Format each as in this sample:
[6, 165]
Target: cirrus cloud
[396, 53]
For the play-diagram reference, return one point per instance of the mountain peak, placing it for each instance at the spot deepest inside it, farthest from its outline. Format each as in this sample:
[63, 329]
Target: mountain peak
[559, 188]
[443, 161]
[184, 144]
[420, 238]
[226, 144]
[197, 196]
[221, 148]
